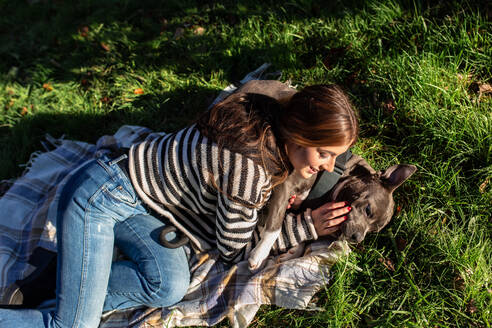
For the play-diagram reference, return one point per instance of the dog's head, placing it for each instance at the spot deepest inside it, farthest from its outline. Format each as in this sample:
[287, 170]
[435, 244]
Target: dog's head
[370, 195]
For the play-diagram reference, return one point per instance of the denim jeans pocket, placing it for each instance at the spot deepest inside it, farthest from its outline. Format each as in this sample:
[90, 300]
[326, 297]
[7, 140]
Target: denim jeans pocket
[119, 193]
[120, 189]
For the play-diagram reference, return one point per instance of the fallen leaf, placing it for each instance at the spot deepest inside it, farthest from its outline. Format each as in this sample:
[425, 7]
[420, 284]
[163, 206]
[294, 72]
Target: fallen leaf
[480, 88]
[485, 88]
[199, 30]
[471, 307]
[178, 34]
[389, 105]
[105, 46]
[464, 78]
[138, 91]
[84, 31]
[483, 186]
[458, 283]
[388, 264]
[47, 87]
[105, 100]
[398, 210]
[23, 111]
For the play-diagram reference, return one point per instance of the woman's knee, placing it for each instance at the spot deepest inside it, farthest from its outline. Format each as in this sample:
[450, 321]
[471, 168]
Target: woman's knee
[171, 290]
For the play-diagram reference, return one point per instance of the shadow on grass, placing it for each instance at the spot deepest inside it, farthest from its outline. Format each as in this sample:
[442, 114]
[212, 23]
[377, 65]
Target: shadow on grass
[44, 39]
[60, 36]
[167, 111]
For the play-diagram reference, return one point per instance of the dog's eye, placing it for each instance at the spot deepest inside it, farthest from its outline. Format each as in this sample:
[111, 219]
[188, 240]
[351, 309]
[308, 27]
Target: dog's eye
[368, 210]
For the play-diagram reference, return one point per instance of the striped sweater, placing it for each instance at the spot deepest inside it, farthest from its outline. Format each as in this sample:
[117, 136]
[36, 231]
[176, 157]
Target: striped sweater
[210, 195]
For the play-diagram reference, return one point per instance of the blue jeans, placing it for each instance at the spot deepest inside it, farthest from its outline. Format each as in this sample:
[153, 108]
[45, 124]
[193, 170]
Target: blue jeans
[98, 209]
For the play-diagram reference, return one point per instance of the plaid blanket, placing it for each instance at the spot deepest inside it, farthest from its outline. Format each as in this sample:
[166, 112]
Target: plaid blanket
[216, 291]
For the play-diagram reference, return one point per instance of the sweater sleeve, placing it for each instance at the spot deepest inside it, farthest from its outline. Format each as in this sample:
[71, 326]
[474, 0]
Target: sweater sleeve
[243, 186]
[234, 228]
[296, 228]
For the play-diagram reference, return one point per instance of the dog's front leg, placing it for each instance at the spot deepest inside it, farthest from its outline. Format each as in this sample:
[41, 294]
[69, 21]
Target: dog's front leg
[273, 226]
[259, 254]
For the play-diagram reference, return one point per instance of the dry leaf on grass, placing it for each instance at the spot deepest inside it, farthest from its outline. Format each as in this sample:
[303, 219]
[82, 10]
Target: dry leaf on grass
[105, 46]
[471, 307]
[480, 88]
[483, 186]
[458, 283]
[84, 31]
[388, 264]
[24, 111]
[138, 91]
[485, 88]
[389, 105]
[47, 87]
[198, 30]
[105, 100]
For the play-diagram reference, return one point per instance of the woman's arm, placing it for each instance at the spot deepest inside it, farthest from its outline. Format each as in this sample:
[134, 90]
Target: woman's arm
[234, 228]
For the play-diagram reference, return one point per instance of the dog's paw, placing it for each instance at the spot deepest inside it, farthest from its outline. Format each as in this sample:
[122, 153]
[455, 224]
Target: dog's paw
[257, 258]
[292, 253]
[255, 266]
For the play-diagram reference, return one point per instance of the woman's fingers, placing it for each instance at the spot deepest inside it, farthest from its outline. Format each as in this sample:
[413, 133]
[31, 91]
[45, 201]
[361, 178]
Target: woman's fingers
[336, 213]
[327, 218]
[333, 205]
[334, 222]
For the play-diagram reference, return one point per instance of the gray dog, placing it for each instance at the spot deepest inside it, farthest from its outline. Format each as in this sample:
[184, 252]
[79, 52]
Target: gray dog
[369, 193]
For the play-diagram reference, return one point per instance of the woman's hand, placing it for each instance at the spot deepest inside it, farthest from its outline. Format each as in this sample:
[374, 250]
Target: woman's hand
[327, 218]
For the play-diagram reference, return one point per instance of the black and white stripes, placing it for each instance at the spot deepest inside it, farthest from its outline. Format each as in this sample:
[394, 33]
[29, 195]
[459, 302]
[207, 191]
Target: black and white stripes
[177, 175]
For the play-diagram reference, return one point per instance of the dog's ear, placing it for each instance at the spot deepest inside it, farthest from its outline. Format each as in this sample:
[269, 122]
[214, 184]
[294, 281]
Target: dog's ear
[395, 175]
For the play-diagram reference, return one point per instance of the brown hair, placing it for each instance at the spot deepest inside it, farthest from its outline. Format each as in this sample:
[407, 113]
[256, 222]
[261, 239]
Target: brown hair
[258, 126]
[318, 116]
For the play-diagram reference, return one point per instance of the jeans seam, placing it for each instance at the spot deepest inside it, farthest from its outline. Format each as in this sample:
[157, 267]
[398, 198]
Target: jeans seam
[87, 215]
[85, 248]
[155, 260]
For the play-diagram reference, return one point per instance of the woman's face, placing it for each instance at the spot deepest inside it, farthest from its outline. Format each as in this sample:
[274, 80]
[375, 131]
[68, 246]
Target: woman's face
[310, 160]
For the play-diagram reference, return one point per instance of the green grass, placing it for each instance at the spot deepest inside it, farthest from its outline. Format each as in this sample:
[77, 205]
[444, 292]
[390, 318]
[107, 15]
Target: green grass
[413, 69]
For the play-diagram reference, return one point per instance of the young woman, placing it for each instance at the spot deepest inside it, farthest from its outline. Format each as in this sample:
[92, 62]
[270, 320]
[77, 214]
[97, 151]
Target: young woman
[209, 180]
